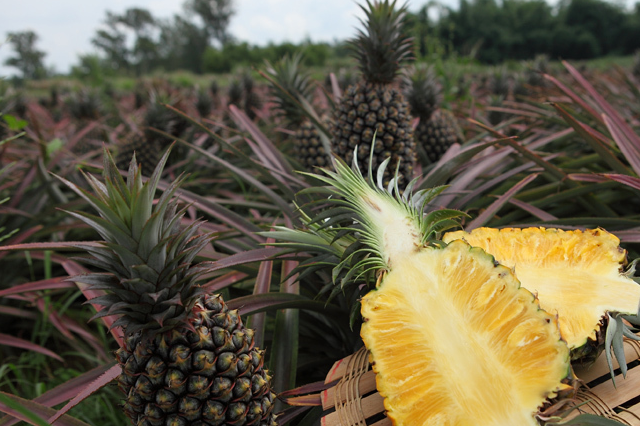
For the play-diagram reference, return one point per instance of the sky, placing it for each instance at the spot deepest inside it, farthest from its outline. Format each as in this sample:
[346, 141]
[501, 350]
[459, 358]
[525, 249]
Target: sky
[65, 27]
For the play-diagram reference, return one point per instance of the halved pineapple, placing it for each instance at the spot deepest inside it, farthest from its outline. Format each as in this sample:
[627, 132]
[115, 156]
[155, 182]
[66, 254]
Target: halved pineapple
[455, 340]
[575, 274]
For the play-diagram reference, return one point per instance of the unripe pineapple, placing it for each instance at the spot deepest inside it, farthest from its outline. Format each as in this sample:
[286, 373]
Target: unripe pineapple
[437, 129]
[373, 105]
[147, 154]
[290, 89]
[187, 359]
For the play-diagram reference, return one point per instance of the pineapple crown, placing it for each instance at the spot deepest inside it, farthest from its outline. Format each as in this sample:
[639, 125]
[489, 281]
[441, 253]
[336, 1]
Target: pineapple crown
[382, 45]
[386, 221]
[422, 90]
[289, 85]
[147, 255]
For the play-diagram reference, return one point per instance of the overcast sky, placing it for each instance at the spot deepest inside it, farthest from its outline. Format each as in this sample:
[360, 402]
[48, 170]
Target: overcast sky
[65, 27]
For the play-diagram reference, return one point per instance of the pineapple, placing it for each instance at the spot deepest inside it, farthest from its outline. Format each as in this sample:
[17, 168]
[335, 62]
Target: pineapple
[147, 154]
[187, 359]
[576, 274]
[290, 88]
[453, 337]
[437, 129]
[373, 105]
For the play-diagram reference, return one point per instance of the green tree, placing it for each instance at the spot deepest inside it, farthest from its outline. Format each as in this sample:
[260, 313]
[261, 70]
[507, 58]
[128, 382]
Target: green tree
[113, 42]
[145, 50]
[28, 59]
[215, 15]
[182, 45]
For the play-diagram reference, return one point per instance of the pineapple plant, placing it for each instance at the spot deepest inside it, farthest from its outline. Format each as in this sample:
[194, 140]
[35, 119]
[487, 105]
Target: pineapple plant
[187, 359]
[453, 337]
[437, 129]
[576, 274]
[373, 105]
[290, 89]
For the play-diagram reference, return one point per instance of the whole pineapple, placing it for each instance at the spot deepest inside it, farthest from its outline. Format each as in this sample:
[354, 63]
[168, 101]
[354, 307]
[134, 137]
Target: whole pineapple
[437, 129]
[290, 87]
[373, 106]
[187, 359]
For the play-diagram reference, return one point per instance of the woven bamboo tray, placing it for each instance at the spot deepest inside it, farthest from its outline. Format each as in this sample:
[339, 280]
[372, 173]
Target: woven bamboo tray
[354, 401]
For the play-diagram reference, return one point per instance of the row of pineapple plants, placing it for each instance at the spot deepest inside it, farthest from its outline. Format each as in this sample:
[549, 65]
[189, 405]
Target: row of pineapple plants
[267, 183]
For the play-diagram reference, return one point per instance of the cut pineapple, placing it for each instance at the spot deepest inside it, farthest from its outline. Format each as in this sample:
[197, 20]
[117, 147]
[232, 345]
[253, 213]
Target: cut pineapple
[455, 340]
[576, 275]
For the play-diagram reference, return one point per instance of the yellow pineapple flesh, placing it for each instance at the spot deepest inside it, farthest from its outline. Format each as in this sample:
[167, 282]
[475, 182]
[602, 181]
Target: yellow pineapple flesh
[576, 275]
[455, 340]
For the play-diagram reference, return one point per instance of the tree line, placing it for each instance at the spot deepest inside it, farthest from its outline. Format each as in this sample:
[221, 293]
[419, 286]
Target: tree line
[494, 31]
[491, 31]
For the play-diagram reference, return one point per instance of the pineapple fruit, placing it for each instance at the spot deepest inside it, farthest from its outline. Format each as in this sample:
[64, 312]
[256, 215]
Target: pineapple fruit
[576, 275]
[374, 105]
[147, 154]
[290, 87]
[187, 359]
[437, 129]
[453, 337]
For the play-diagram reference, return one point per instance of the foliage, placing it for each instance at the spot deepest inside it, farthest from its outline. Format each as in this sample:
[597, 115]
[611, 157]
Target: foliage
[28, 59]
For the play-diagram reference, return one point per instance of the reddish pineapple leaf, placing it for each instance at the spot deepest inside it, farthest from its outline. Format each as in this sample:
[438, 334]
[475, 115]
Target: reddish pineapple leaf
[16, 342]
[32, 412]
[496, 205]
[628, 148]
[605, 106]
[20, 237]
[103, 380]
[591, 137]
[587, 177]
[65, 391]
[533, 210]
[576, 98]
[255, 255]
[50, 284]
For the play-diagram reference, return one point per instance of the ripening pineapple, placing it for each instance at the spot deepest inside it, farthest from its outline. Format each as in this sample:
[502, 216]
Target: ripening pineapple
[437, 129]
[576, 274]
[147, 154]
[373, 105]
[187, 359]
[453, 337]
[289, 88]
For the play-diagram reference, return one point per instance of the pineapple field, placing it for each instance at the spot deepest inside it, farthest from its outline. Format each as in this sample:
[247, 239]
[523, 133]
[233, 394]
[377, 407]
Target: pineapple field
[397, 243]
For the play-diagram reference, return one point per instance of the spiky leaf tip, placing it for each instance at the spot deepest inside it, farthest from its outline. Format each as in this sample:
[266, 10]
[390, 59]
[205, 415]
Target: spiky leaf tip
[382, 44]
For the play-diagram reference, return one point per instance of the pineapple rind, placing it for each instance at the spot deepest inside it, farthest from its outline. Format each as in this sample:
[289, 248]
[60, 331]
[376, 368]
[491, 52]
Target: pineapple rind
[455, 340]
[576, 274]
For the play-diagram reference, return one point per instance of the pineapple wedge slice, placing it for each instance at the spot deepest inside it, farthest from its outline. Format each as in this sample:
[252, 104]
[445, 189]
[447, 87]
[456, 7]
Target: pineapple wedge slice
[576, 275]
[455, 340]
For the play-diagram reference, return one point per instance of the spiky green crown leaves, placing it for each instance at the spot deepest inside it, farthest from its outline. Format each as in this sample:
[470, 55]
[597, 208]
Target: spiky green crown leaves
[147, 255]
[422, 90]
[289, 83]
[383, 44]
[347, 235]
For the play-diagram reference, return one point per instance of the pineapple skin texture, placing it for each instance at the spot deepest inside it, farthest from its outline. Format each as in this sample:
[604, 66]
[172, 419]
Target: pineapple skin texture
[576, 274]
[438, 133]
[211, 375]
[367, 109]
[454, 340]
